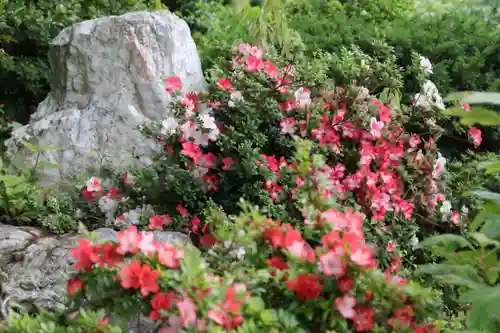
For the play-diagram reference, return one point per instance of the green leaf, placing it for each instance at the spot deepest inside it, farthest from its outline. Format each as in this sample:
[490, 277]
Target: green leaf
[485, 307]
[460, 257]
[489, 166]
[474, 97]
[267, 317]
[257, 304]
[488, 195]
[492, 228]
[492, 276]
[489, 209]
[478, 115]
[47, 164]
[46, 148]
[460, 275]
[448, 241]
[30, 146]
[10, 180]
[483, 240]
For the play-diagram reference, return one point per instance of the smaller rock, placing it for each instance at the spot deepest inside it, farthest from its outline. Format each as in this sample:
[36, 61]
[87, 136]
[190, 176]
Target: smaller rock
[109, 235]
[105, 235]
[172, 237]
[35, 264]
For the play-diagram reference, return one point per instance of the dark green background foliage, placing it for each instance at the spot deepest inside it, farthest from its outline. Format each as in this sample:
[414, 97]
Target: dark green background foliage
[28, 27]
[463, 47]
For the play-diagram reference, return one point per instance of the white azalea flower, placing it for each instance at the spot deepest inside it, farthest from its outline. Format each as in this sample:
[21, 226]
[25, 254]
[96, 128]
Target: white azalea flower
[439, 166]
[303, 97]
[106, 204]
[426, 65]
[208, 121]
[414, 241]
[169, 126]
[445, 207]
[235, 98]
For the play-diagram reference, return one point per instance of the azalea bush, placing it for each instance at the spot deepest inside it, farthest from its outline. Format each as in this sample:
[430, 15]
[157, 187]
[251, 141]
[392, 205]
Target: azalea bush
[235, 141]
[263, 274]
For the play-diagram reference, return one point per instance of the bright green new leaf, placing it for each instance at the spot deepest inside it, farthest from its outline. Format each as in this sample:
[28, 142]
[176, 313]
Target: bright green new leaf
[11, 180]
[30, 146]
[47, 164]
[45, 148]
[490, 167]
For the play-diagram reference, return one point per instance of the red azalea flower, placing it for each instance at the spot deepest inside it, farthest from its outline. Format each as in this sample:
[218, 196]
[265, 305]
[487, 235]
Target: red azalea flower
[74, 285]
[307, 286]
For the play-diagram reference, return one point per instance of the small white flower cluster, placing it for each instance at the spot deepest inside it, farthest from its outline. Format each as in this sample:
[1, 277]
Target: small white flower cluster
[414, 241]
[303, 97]
[426, 65]
[235, 98]
[429, 96]
[445, 207]
[439, 166]
[201, 130]
[238, 252]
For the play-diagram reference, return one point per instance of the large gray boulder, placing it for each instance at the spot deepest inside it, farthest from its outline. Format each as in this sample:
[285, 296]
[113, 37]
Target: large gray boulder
[108, 78]
[35, 266]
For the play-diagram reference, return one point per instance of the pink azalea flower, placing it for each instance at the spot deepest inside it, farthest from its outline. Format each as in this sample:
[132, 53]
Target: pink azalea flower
[94, 184]
[331, 264]
[391, 247]
[187, 311]
[466, 107]
[345, 305]
[288, 126]
[173, 84]
[376, 127]
[475, 136]
[128, 240]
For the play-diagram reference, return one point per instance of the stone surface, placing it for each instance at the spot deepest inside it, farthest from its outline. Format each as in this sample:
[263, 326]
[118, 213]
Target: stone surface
[35, 265]
[108, 78]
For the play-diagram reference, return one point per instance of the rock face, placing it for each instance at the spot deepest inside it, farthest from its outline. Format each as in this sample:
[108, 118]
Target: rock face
[108, 78]
[35, 265]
